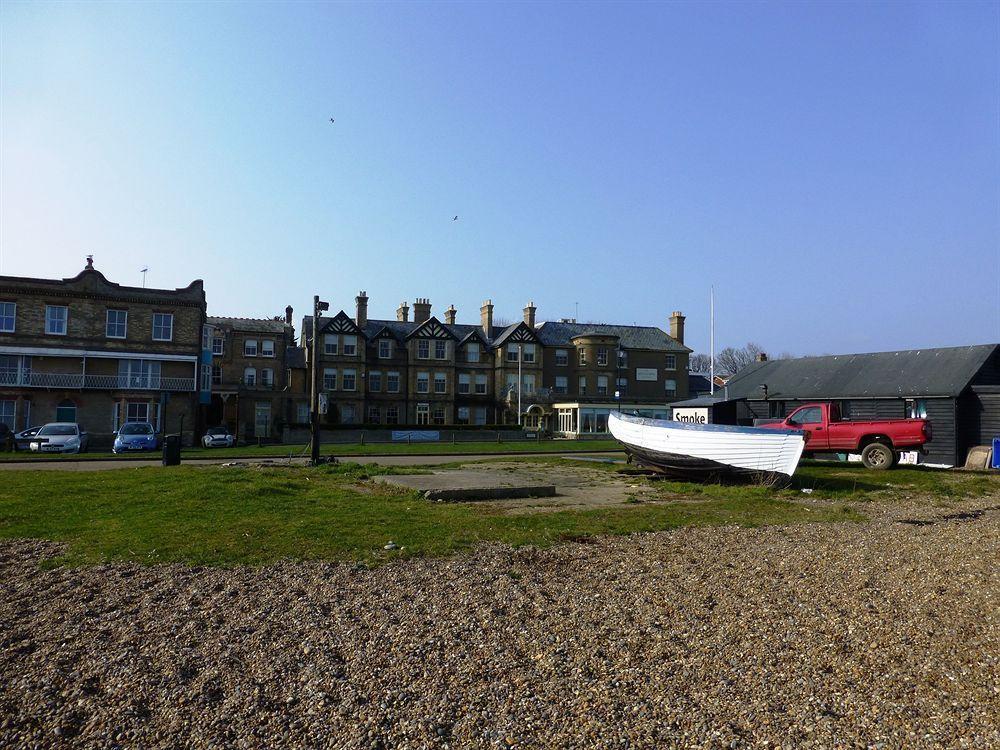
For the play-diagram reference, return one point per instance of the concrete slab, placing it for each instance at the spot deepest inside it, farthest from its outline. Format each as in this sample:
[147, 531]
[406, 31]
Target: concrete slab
[467, 485]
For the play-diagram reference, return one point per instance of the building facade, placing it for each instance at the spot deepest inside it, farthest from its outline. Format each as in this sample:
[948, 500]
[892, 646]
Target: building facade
[254, 392]
[87, 350]
[563, 377]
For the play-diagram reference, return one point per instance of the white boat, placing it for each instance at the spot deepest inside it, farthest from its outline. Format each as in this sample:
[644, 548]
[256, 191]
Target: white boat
[708, 451]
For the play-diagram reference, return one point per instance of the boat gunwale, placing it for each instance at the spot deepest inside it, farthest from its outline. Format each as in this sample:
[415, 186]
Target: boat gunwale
[671, 424]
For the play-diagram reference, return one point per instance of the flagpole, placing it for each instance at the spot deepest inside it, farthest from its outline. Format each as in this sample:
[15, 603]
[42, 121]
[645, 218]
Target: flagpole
[711, 356]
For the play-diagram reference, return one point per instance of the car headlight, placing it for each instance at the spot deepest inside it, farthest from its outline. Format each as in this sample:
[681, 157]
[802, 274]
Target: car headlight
[72, 442]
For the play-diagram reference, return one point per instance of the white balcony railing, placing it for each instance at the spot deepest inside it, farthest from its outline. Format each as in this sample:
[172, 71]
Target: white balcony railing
[96, 382]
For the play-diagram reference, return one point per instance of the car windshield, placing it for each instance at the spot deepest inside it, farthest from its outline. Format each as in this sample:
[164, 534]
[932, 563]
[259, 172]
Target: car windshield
[137, 429]
[218, 431]
[58, 429]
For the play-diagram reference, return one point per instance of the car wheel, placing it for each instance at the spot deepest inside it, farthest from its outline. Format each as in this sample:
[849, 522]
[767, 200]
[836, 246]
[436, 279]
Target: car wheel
[878, 456]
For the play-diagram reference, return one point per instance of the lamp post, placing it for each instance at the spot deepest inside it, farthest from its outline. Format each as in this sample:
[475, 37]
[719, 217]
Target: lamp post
[618, 380]
[318, 307]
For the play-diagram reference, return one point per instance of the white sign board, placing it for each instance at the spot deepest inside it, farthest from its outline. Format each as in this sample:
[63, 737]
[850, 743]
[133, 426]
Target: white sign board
[324, 403]
[698, 415]
[645, 373]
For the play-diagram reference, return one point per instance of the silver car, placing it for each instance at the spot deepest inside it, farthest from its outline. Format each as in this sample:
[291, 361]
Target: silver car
[60, 437]
[218, 437]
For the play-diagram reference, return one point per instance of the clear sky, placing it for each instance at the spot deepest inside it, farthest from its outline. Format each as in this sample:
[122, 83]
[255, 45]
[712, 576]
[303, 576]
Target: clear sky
[834, 169]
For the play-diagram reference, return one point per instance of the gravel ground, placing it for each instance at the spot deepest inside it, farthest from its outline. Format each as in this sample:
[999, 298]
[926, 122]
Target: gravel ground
[882, 634]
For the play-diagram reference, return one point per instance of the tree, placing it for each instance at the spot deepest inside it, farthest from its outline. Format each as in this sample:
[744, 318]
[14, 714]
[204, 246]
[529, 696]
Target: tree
[699, 363]
[731, 360]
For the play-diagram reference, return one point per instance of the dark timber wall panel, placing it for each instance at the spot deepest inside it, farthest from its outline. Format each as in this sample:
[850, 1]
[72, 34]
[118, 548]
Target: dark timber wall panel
[942, 448]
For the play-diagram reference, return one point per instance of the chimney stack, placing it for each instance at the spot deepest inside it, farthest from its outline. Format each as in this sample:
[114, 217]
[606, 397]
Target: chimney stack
[449, 315]
[486, 318]
[529, 315]
[403, 312]
[677, 326]
[762, 357]
[361, 318]
[288, 315]
[421, 309]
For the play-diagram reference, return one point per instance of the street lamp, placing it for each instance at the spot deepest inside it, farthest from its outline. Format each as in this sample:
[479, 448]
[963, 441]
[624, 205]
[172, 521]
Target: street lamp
[318, 307]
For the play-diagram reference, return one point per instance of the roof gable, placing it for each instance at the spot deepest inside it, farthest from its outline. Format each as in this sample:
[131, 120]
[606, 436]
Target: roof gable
[474, 335]
[518, 333]
[340, 323]
[431, 328]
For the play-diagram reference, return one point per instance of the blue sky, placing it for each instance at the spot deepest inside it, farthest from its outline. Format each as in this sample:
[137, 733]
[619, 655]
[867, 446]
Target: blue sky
[834, 169]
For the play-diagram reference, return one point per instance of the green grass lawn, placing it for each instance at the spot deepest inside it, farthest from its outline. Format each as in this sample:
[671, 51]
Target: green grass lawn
[347, 449]
[226, 516]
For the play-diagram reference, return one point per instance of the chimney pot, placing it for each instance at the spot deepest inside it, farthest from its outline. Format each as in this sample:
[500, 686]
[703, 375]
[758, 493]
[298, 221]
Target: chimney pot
[403, 312]
[421, 309]
[288, 315]
[486, 318]
[450, 314]
[361, 317]
[529, 315]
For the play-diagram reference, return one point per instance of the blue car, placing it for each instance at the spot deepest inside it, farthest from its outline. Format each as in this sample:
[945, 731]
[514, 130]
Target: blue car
[136, 436]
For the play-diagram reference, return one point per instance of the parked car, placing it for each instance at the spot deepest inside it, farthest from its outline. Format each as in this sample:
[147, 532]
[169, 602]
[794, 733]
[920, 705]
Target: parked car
[136, 436]
[218, 437]
[22, 439]
[879, 441]
[60, 437]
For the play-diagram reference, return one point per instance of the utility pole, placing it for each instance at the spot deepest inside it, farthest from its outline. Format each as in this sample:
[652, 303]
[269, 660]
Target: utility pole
[711, 355]
[318, 307]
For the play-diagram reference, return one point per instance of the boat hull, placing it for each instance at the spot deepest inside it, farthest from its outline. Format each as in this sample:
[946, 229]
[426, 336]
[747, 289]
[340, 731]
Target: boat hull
[709, 452]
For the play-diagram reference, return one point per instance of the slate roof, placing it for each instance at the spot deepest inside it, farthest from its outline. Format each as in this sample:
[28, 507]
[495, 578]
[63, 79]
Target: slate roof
[698, 383]
[253, 325]
[295, 357]
[399, 329]
[910, 373]
[554, 333]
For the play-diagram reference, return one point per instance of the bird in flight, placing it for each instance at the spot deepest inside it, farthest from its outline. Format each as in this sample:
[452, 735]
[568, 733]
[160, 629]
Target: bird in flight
[331, 119]
[454, 218]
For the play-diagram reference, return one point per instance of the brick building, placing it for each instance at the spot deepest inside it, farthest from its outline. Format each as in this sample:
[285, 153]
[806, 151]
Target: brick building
[87, 350]
[254, 392]
[561, 376]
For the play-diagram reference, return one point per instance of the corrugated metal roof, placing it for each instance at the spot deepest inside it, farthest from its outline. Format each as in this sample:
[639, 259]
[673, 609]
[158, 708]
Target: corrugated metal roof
[910, 373]
[631, 337]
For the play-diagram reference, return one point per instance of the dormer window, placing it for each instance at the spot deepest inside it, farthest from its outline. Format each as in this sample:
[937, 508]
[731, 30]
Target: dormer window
[472, 352]
[423, 349]
[440, 350]
[350, 346]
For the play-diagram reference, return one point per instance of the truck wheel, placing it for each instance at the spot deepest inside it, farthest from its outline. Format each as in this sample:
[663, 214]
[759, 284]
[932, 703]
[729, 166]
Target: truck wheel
[878, 456]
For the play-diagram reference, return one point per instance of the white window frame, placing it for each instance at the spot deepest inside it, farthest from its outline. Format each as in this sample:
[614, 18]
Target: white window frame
[423, 414]
[423, 349]
[4, 317]
[329, 378]
[169, 317]
[602, 385]
[353, 375]
[562, 384]
[464, 383]
[331, 344]
[10, 406]
[667, 390]
[374, 414]
[528, 352]
[440, 378]
[384, 348]
[108, 324]
[389, 378]
[562, 358]
[479, 415]
[49, 320]
[440, 349]
[349, 346]
[482, 380]
[463, 415]
[222, 346]
[438, 414]
[267, 377]
[141, 412]
[249, 351]
[583, 356]
[602, 356]
[670, 362]
[267, 348]
[425, 378]
[216, 381]
[206, 377]
[512, 352]
[581, 385]
[472, 351]
[374, 381]
[392, 414]
[250, 376]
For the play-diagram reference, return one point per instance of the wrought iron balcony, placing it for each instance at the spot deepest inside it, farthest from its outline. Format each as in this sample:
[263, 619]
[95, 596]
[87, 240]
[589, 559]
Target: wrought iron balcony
[535, 395]
[80, 381]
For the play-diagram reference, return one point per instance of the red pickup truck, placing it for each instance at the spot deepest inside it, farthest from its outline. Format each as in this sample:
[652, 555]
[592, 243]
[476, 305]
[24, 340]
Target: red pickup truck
[879, 441]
